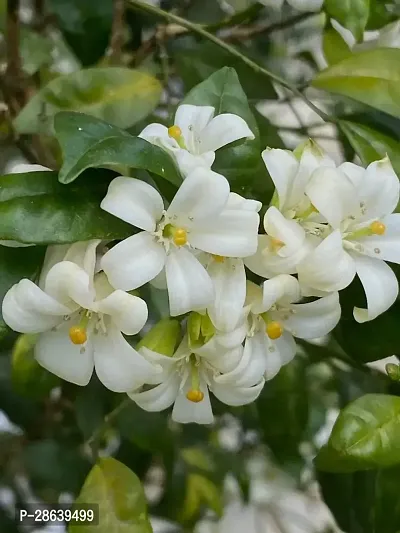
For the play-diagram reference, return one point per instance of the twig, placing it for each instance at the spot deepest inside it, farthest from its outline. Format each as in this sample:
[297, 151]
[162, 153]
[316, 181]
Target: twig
[12, 40]
[195, 28]
[39, 20]
[237, 18]
[94, 441]
[114, 51]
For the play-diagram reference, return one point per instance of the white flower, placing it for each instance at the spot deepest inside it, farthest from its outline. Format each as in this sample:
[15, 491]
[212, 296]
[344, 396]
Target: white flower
[79, 318]
[358, 204]
[301, 5]
[187, 377]
[292, 225]
[274, 319]
[198, 218]
[196, 135]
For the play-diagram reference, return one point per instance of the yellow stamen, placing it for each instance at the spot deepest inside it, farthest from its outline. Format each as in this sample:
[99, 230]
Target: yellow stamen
[218, 258]
[274, 330]
[77, 334]
[195, 396]
[377, 228]
[275, 244]
[180, 237]
[175, 132]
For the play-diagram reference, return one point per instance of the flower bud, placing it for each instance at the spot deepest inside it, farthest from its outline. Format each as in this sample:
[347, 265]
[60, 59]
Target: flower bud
[200, 329]
[393, 371]
[163, 337]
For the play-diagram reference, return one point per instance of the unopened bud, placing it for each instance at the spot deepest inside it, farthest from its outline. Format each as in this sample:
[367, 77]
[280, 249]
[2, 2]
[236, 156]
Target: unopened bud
[393, 371]
[200, 329]
[163, 337]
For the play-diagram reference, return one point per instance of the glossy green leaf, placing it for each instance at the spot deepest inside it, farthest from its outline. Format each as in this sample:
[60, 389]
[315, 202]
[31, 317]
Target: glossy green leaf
[119, 495]
[365, 436]
[89, 142]
[239, 162]
[28, 377]
[371, 145]
[120, 96]
[334, 46]
[15, 264]
[36, 208]
[283, 409]
[352, 14]
[371, 77]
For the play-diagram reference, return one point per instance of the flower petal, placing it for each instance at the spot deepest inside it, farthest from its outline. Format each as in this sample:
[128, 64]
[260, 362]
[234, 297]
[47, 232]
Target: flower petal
[27, 309]
[118, 366]
[192, 119]
[306, 5]
[71, 362]
[202, 194]
[314, 319]
[189, 286]
[354, 172]
[188, 162]
[380, 286]
[185, 411]
[70, 285]
[128, 313]
[134, 261]
[387, 246]
[280, 352]
[249, 370]
[289, 232]
[237, 395]
[229, 280]
[283, 288]
[134, 201]
[333, 194]
[222, 130]
[224, 361]
[232, 234]
[328, 268]
[160, 397]
[154, 132]
[266, 263]
[83, 254]
[235, 201]
[282, 166]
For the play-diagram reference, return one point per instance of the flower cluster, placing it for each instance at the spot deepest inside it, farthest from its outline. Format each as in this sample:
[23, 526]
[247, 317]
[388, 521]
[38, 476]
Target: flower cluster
[233, 330]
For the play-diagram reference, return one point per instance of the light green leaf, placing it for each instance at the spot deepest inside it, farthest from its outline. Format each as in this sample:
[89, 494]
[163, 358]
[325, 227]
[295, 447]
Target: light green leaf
[371, 145]
[371, 77]
[120, 96]
[89, 142]
[36, 208]
[119, 495]
[365, 435]
[335, 47]
[35, 51]
[352, 14]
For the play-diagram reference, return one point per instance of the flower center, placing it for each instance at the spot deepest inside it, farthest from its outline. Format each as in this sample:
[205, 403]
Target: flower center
[194, 394]
[78, 334]
[175, 132]
[275, 245]
[273, 328]
[377, 228]
[178, 235]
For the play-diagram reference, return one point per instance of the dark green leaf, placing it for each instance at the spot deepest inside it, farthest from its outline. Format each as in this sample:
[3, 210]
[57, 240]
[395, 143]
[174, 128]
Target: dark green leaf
[371, 77]
[365, 436]
[89, 142]
[371, 145]
[90, 408]
[119, 95]
[119, 494]
[36, 208]
[352, 14]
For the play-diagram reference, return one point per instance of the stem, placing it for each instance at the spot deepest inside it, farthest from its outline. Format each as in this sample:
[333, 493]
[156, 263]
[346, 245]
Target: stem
[114, 51]
[39, 14]
[94, 441]
[12, 39]
[195, 28]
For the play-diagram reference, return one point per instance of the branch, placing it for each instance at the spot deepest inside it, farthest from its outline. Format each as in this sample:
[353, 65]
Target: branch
[117, 33]
[12, 39]
[195, 28]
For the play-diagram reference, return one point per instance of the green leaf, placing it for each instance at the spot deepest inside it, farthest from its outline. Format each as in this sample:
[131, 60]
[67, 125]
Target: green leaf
[27, 376]
[238, 162]
[283, 409]
[119, 494]
[89, 142]
[352, 14]
[35, 51]
[371, 77]
[363, 502]
[36, 208]
[371, 145]
[365, 436]
[119, 95]
[15, 264]
[335, 47]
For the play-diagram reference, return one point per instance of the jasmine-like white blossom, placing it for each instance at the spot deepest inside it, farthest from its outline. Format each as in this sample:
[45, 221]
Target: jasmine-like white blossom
[274, 319]
[186, 379]
[79, 318]
[200, 217]
[358, 204]
[196, 135]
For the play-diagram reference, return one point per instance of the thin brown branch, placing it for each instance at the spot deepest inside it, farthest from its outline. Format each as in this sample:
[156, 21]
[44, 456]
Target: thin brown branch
[114, 51]
[39, 15]
[12, 39]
